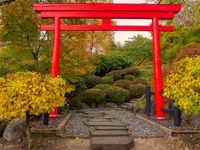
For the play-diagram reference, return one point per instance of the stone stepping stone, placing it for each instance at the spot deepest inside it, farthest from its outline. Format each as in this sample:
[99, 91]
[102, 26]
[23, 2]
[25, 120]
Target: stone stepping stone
[92, 115]
[106, 123]
[106, 117]
[93, 112]
[111, 143]
[109, 133]
[98, 120]
[111, 128]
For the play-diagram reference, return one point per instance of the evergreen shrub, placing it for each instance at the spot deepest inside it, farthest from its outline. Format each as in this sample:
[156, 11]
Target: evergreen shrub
[93, 96]
[107, 80]
[92, 80]
[116, 94]
[129, 77]
[116, 74]
[123, 83]
[137, 90]
[131, 71]
[140, 80]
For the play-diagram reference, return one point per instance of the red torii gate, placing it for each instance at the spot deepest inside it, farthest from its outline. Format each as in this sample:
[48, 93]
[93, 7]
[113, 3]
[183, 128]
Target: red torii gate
[106, 12]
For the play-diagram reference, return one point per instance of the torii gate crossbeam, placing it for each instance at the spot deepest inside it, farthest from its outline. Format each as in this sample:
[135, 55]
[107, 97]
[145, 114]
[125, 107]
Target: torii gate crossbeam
[106, 12]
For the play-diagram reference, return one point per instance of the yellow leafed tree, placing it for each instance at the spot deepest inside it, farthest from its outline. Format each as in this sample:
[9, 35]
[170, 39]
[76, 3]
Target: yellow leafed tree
[30, 93]
[183, 85]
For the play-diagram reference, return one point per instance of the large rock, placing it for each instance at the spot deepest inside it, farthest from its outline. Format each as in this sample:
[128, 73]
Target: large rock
[101, 105]
[195, 120]
[85, 106]
[111, 105]
[15, 129]
[93, 105]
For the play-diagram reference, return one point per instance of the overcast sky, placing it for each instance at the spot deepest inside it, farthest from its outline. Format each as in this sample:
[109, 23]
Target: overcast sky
[121, 36]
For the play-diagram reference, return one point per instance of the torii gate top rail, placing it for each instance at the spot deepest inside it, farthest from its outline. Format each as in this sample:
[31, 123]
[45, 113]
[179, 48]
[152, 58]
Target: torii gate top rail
[106, 12]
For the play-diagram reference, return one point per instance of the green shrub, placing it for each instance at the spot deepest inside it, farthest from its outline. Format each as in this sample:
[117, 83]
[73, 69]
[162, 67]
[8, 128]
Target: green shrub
[80, 85]
[146, 72]
[107, 63]
[116, 94]
[107, 80]
[102, 86]
[129, 77]
[131, 71]
[93, 96]
[137, 90]
[141, 104]
[123, 83]
[140, 80]
[92, 80]
[75, 102]
[116, 74]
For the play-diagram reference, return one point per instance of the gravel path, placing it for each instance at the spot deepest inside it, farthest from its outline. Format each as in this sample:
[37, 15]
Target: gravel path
[75, 127]
[137, 127]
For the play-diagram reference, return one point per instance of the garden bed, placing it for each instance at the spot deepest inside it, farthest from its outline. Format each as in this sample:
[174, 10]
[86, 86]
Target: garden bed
[54, 125]
[168, 125]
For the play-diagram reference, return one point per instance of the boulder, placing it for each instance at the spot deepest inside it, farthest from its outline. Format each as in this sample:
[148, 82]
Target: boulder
[111, 105]
[85, 106]
[15, 129]
[103, 105]
[195, 120]
[93, 105]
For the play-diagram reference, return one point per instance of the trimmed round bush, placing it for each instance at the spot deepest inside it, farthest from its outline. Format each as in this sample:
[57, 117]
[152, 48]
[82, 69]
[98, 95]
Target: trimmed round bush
[116, 74]
[93, 96]
[80, 85]
[137, 90]
[102, 86]
[123, 83]
[131, 71]
[129, 77]
[140, 80]
[116, 94]
[107, 80]
[92, 80]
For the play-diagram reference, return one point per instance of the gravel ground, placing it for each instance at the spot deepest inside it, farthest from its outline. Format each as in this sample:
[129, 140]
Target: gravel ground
[137, 127]
[185, 126]
[75, 127]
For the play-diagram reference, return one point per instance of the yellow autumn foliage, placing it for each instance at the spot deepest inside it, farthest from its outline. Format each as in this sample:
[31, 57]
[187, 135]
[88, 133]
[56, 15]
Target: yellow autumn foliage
[183, 85]
[30, 91]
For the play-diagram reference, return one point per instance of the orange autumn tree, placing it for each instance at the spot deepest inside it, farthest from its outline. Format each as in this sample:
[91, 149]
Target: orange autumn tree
[30, 93]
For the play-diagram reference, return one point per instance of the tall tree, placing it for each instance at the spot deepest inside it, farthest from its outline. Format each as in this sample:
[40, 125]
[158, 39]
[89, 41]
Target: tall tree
[20, 32]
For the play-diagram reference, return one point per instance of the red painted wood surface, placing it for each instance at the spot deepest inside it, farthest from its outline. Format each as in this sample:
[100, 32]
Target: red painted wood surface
[106, 28]
[106, 12]
[175, 8]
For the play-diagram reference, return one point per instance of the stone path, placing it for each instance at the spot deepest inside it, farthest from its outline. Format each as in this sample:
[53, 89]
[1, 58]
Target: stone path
[109, 133]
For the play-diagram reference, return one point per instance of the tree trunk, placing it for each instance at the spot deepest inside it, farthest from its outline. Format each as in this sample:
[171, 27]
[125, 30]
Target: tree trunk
[28, 131]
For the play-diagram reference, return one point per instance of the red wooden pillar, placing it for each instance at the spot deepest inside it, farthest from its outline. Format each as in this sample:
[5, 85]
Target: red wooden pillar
[158, 84]
[55, 59]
